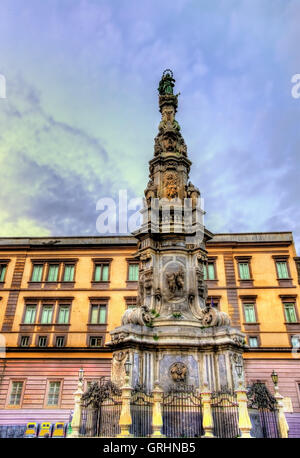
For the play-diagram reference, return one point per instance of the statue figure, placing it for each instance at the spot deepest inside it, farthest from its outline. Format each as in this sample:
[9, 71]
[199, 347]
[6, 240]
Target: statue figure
[166, 83]
[175, 281]
[171, 279]
[180, 278]
[171, 188]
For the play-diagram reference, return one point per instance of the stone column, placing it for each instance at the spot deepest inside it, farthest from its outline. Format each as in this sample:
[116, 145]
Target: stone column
[125, 417]
[282, 423]
[207, 422]
[157, 420]
[75, 425]
[244, 419]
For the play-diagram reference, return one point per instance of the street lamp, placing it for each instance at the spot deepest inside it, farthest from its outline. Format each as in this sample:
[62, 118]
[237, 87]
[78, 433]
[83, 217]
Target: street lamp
[80, 374]
[127, 366]
[239, 368]
[274, 377]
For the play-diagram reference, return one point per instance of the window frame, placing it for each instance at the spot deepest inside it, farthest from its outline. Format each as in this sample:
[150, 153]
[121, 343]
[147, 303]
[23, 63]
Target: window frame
[246, 282]
[38, 336]
[11, 381]
[130, 302]
[247, 304]
[92, 336]
[253, 337]
[29, 304]
[4, 263]
[43, 305]
[291, 338]
[59, 305]
[21, 336]
[34, 264]
[53, 380]
[73, 264]
[97, 262]
[284, 282]
[290, 303]
[58, 336]
[98, 304]
[211, 260]
[130, 264]
[48, 267]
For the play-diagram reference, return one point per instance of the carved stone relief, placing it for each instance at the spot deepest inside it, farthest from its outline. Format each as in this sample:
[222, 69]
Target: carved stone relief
[178, 372]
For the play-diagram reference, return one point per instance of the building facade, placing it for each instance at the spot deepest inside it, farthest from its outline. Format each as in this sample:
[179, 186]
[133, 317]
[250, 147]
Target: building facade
[60, 298]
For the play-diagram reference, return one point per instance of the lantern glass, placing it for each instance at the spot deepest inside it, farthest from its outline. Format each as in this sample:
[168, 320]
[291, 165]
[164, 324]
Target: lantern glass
[239, 368]
[274, 377]
[80, 374]
[127, 366]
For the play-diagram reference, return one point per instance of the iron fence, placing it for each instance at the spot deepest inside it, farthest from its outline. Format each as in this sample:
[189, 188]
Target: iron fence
[263, 411]
[101, 410]
[182, 412]
[225, 413]
[141, 405]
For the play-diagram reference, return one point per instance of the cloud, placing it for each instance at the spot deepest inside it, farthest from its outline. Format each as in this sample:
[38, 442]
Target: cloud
[81, 112]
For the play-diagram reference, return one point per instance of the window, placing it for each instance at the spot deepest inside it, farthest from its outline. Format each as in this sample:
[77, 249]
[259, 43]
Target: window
[37, 272]
[60, 341]
[47, 312]
[244, 270]
[282, 269]
[101, 272]
[63, 314]
[16, 393]
[130, 302]
[69, 272]
[95, 341]
[42, 341]
[209, 271]
[290, 313]
[2, 272]
[133, 272]
[53, 272]
[53, 393]
[295, 341]
[98, 314]
[253, 342]
[24, 341]
[249, 310]
[30, 313]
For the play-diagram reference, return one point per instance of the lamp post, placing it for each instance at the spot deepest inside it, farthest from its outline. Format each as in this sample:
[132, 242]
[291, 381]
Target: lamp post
[125, 416]
[75, 424]
[282, 423]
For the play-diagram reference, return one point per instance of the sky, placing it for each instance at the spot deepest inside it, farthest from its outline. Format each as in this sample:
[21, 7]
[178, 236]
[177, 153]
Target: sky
[81, 108]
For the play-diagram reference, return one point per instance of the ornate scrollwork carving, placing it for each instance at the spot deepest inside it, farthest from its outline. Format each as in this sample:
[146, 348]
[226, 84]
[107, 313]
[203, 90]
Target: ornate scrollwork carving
[259, 397]
[97, 393]
[210, 316]
[138, 315]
